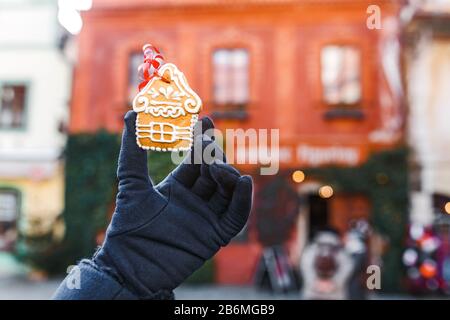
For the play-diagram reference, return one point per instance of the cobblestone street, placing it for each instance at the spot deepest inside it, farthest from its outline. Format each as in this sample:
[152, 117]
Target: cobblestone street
[19, 288]
[15, 285]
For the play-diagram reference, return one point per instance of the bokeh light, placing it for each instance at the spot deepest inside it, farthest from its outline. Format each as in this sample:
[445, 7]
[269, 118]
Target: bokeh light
[326, 192]
[447, 207]
[69, 14]
[298, 176]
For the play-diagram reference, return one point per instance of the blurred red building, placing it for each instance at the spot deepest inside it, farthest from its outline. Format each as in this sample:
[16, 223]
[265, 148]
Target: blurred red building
[311, 68]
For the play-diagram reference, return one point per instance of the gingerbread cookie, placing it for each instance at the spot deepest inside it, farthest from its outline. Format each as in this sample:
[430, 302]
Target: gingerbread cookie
[167, 110]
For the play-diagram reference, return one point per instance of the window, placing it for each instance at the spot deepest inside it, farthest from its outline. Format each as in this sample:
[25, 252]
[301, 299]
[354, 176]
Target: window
[136, 58]
[12, 106]
[230, 77]
[341, 75]
[9, 212]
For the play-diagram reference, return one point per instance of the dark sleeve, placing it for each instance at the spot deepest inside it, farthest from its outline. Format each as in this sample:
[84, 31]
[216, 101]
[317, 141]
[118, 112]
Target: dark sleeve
[87, 281]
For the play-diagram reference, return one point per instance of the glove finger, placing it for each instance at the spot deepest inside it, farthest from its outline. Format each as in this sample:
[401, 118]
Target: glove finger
[203, 136]
[204, 126]
[211, 153]
[189, 170]
[238, 211]
[206, 150]
[132, 169]
[218, 203]
[204, 186]
[226, 178]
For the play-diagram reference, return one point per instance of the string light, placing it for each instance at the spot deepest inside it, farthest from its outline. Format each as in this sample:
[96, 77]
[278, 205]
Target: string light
[447, 207]
[326, 192]
[298, 176]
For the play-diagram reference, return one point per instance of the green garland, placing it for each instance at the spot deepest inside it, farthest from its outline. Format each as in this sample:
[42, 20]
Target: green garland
[91, 164]
[384, 179]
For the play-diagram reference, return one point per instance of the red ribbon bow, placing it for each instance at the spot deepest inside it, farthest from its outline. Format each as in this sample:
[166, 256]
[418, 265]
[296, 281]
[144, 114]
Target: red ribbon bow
[153, 60]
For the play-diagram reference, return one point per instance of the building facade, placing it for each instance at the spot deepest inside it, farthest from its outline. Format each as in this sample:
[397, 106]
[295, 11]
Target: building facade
[428, 74]
[34, 95]
[315, 70]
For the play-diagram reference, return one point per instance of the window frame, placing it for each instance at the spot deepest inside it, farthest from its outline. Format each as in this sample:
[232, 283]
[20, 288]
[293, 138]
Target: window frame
[358, 105]
[129, 61]
[28, 87]
[6, 189]
[134, 50]
[19, 208]
[230, 110]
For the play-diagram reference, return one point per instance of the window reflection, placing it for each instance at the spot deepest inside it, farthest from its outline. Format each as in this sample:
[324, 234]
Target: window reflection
[341, 75]
[230, 76]
[12, 106]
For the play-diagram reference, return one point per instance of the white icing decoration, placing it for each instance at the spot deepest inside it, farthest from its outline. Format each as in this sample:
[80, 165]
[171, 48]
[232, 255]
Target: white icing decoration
[166, 102]
[164, 129]
[166, 112]
[143, 103]
[177, 88]
[194, 120]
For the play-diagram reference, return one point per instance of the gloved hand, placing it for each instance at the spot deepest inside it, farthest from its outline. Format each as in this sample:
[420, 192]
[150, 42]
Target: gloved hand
[159, 235]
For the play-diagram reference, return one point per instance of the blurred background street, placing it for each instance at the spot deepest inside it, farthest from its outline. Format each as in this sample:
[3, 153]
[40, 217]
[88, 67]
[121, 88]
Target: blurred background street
[19, 288]
[358, 91]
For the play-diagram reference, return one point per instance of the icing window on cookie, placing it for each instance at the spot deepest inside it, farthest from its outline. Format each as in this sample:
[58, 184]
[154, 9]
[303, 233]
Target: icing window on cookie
[230, 77]
[164, 132]
[12, 106]
[341, 75]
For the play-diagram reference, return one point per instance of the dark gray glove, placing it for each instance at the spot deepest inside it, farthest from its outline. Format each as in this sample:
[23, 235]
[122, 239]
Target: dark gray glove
[159, 235]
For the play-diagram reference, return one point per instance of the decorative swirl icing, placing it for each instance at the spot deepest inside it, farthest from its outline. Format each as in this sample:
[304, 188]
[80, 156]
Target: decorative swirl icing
[140, 103]
[166, 111]
[176, 92]
[191, 105]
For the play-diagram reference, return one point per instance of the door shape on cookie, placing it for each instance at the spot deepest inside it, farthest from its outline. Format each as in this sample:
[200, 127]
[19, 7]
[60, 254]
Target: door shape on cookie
[167, 110]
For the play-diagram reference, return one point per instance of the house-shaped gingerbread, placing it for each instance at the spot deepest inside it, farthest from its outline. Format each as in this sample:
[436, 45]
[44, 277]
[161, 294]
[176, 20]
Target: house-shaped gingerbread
[167, 110]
